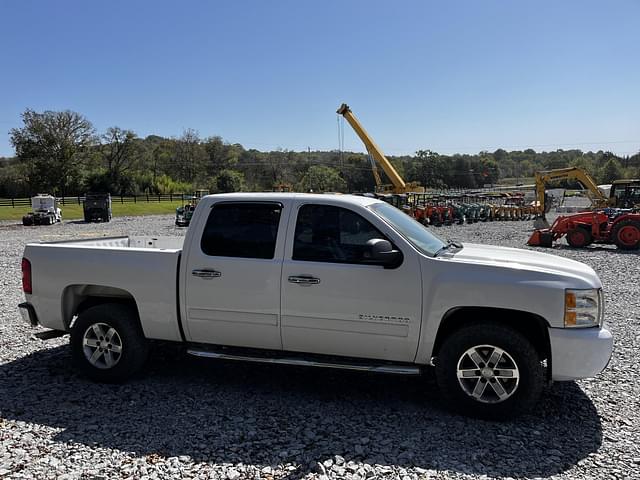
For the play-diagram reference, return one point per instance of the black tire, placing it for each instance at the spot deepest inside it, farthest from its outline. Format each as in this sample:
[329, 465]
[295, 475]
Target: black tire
[522, 394]
[626, 235]
[27, 221]
[579, 237]
[133, 345]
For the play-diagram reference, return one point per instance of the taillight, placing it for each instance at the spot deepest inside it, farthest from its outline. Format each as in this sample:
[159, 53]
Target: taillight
[26, 276]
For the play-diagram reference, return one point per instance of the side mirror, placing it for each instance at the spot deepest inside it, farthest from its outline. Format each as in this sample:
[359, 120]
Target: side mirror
[381, 252]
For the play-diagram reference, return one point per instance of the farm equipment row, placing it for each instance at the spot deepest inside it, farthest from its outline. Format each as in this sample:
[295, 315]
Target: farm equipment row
[452, 209]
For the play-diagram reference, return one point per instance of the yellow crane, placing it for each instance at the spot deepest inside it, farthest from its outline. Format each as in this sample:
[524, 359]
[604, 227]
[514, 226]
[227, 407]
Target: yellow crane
[398, 184]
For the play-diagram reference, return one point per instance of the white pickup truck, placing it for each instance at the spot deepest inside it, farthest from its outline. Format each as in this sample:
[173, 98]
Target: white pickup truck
[337, 281]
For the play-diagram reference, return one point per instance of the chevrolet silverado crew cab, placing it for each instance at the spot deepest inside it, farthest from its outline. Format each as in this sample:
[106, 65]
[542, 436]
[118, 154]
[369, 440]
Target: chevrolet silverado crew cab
[337, 281]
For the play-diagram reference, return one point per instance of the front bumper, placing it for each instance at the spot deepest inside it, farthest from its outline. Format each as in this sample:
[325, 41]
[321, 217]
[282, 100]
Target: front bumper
[579, 353]
[28, 313]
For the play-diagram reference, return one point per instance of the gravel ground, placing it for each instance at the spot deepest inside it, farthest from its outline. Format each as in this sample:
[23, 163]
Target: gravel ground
[194, 418]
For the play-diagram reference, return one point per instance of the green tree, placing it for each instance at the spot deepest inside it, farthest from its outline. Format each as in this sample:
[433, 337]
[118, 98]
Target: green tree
[50, 148]
[228, 181]
[489, 171]
[357, 173]
[220, 155]
[165, 184]
[320, 178]
[582, 162]
[11, 181]
[611, 171]
[462, 174]
[430, 169]
[120, 150]
[189, 157]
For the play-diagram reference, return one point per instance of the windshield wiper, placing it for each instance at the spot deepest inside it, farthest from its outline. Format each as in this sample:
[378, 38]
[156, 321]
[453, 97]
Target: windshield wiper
[450, 244]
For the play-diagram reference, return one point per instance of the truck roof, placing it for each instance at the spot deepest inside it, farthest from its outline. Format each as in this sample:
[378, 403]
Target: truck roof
[275, 196]
[626, 181]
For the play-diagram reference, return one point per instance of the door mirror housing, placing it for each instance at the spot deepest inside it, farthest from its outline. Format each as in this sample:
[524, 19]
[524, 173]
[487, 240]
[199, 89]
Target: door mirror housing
[381, 252]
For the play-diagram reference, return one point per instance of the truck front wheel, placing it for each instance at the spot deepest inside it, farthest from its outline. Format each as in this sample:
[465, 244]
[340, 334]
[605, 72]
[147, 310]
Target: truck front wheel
[489, 371]
[107, 343]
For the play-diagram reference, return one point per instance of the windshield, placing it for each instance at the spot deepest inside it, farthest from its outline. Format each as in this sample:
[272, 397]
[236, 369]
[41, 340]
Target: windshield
[416, 233]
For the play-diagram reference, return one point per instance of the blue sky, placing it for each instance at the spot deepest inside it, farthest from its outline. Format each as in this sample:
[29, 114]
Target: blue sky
[450, 76]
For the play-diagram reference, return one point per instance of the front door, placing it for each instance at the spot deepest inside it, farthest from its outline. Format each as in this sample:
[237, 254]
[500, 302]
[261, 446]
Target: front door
[232, 277]
[334, 301]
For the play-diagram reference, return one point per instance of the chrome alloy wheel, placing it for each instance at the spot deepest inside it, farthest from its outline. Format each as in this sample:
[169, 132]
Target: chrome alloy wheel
[488, 374]
[102, 346]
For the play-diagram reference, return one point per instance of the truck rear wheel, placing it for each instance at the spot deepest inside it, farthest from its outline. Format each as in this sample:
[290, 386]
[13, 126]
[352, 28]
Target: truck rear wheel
[489, 371]
[626, 235]
[107, 343]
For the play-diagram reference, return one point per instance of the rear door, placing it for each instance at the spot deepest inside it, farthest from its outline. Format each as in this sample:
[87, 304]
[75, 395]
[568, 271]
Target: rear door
[334, 301]
[232, 276]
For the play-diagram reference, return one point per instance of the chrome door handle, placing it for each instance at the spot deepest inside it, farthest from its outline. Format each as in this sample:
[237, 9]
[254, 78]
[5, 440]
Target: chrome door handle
[304, 280]
[206, 274]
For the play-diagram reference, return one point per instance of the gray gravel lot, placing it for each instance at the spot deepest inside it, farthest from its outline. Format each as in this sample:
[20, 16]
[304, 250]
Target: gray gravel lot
[194, 418]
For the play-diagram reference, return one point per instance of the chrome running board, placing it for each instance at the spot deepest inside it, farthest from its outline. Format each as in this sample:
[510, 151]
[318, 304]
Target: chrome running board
[363, 367]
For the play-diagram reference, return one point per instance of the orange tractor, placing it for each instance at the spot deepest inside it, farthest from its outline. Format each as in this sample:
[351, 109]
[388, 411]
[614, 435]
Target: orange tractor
[608, 226]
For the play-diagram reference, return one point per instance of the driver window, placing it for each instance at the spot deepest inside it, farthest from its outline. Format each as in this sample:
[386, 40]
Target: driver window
[332, 234]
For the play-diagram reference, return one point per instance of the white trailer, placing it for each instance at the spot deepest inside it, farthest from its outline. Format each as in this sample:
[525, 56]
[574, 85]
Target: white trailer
[44, 211]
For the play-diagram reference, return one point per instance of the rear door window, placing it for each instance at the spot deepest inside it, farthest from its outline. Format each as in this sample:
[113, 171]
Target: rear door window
[242, 229]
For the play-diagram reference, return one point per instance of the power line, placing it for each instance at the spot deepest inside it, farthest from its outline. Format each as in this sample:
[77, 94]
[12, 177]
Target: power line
[503, 147]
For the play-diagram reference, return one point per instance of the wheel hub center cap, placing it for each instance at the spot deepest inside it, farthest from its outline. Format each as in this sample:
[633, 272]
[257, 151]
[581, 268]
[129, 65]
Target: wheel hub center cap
[487, 372]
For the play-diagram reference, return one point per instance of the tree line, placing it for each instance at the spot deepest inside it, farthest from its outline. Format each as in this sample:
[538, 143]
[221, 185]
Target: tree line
[63, 154]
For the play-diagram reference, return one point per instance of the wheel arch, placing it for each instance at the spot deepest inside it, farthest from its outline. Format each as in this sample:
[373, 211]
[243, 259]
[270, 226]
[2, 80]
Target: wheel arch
[78, 298]
[532, 326]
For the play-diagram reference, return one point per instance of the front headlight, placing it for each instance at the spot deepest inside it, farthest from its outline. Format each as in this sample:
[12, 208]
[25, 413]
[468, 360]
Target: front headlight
[583, 308]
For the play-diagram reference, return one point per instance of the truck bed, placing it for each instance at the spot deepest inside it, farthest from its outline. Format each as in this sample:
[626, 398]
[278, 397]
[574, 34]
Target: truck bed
[161, 243]
[142, 268]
